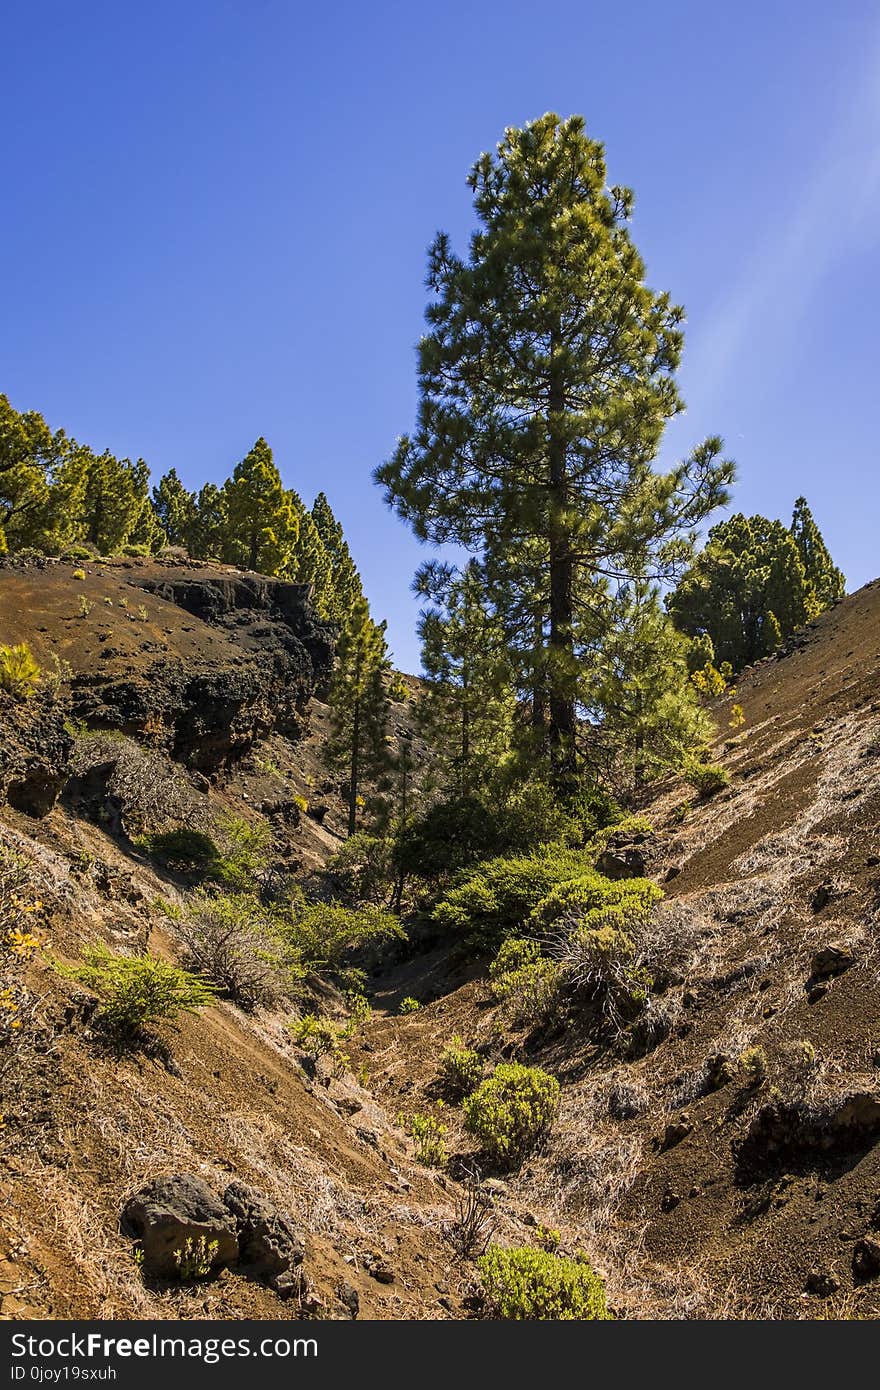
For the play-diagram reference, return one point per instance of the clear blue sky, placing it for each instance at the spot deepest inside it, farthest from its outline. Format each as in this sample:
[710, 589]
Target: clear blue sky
[216, 217]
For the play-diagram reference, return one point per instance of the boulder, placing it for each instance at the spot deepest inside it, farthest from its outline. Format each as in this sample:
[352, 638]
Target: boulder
[177, 1215]
[268, 1244]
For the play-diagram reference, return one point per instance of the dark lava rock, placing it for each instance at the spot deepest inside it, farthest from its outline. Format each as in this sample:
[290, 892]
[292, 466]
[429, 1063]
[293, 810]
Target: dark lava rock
[830, 961]
[349, 1298]
[173, 1210]
[822, 1283]
[35, 751]
[267, 1241]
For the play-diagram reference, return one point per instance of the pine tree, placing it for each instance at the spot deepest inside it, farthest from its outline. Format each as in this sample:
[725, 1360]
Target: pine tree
[28, 450]
[359, 704]
[467, 708]
[209, 526]
[309, 562]
[747, 589]
[344, 587]
[546, 379]
[175, 509]
[261, 524]
[101, 500]
[826, 581]
[644, 704]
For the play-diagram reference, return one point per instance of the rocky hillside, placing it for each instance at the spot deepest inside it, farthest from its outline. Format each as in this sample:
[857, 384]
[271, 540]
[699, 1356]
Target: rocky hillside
[724, 1163]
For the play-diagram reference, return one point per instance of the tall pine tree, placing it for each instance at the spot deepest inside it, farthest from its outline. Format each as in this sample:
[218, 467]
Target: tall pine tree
[261, 526]
[344, 588]
[359, 705]
[175, 509]
[546, 379]
[826, 581]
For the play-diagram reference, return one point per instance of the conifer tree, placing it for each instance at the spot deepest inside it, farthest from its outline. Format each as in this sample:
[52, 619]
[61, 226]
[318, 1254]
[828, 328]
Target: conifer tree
[309, 562]
[826, 581]
[359, 704]
[28, 450]
[747, 589]
[175, 509]
[261, 524]
[209, 526]
[344, 587]
[467, 708]
[546, 380]
[644, 703]
[101, 500]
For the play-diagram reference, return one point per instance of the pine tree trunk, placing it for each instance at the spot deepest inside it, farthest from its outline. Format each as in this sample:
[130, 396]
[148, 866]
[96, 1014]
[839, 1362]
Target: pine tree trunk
[355, 765]
[255, 546]
[561, 641]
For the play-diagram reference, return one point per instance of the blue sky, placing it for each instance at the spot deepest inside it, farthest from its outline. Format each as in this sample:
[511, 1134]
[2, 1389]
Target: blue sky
[217, 214]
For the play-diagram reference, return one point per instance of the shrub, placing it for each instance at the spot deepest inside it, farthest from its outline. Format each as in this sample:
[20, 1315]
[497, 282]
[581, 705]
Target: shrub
[78, 574]
[633, 898]
[17, 946]
[461, 1070]
[706, 778]
[324, 933]
[19, 672]
[363, 868]
[136, 549]
[599, 960]
[149, 790]
[244, 851]
[318, 1036]
[512, 1111]
[537, 1285]
[409, 1005]
[135, 991]
[497, 898]
[429, 1135]
[85, 607]
[754, 1065]
[234, 942]
[525, 981]
[78, 552]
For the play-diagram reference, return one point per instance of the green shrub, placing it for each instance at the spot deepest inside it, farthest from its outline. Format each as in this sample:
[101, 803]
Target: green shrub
[78, 552]
[592, 892]
[706, 778]
[182, 848]
[19, 672]
[324, 933]
[499, 820]
[136, 991]
[430, 1139]
[526, 982]
[244, 852]
[537, 1285]
[461, 1070]
[363, 868]
[136, 549]
[497, 898]
[318, 1036]
[511, 1111]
